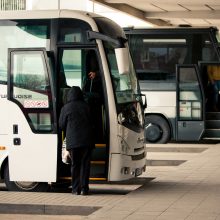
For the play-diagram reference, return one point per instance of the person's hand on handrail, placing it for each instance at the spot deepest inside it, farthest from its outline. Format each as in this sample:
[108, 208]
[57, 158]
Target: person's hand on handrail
[92, 75]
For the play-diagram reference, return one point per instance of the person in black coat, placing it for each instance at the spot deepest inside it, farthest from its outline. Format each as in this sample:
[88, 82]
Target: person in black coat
[75, 121]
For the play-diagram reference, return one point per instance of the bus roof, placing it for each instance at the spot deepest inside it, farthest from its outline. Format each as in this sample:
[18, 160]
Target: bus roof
[44, 14]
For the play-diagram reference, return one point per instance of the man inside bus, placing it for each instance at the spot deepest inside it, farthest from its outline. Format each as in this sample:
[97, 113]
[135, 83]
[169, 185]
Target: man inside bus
[75, 121]
[92, 89]
[214, 79]
[92, 78]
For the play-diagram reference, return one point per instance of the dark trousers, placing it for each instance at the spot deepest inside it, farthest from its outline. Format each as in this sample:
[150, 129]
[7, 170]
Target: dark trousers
[80, 168]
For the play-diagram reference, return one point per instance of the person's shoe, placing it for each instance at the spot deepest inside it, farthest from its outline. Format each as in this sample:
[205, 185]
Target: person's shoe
[85, 193]
[76, 192]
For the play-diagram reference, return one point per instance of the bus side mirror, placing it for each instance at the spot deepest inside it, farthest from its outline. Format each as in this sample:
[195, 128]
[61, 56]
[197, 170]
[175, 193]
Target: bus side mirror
[122, 57]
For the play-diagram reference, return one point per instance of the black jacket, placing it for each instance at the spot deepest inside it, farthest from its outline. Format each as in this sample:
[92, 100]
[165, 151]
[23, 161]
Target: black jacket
[75, 120]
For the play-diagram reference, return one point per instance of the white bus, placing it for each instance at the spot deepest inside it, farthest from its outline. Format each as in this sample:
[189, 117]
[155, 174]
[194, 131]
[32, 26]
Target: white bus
[43, 54]
[171, 65]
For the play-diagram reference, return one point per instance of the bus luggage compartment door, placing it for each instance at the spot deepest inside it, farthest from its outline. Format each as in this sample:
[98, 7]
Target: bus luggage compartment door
[190, 103]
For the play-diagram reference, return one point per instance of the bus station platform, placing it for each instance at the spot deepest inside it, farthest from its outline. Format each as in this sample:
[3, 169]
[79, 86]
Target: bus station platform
[182, 181]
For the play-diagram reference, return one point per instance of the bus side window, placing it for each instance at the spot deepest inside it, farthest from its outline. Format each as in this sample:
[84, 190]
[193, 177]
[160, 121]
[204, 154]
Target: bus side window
[31, 88]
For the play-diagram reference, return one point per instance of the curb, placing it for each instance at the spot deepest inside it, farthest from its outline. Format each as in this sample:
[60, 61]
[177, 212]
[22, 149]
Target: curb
[38, 209]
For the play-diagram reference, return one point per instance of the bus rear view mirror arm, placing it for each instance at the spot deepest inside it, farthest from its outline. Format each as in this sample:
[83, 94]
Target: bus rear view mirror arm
[92, 35]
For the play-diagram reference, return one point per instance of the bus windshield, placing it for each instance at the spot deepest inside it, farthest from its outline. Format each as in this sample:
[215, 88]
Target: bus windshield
[126, 87]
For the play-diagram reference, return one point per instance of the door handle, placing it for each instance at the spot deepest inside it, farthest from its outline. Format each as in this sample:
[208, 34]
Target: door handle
[15, 129]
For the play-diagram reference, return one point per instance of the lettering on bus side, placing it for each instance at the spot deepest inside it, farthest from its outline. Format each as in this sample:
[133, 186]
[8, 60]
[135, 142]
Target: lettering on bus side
[17, 96]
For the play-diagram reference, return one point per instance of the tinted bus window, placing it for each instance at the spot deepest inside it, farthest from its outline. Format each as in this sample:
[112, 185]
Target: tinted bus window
[74, 31]
[155, 59]
[155, 56]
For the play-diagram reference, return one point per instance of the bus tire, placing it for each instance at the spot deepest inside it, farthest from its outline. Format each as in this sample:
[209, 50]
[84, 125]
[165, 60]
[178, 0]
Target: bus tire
[157, 129]
[23, 186]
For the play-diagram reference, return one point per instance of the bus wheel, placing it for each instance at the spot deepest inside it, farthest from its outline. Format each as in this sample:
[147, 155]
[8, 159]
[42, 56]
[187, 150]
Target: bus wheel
[23, 186]
[156, 130]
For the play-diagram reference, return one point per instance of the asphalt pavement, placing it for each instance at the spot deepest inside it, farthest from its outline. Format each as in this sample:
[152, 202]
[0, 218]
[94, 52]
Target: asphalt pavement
[182, 181]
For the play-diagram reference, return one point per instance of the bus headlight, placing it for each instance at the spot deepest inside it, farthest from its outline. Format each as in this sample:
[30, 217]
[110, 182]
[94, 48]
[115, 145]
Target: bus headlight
[125, 170]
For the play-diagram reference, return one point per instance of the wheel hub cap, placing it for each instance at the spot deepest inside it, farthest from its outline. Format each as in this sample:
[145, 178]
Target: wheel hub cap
[152, 132]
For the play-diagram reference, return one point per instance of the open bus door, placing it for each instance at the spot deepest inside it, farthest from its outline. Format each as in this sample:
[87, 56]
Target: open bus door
[33, 144]
[190, 103]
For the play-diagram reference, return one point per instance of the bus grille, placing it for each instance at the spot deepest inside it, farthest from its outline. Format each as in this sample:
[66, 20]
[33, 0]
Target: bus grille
[138, 157]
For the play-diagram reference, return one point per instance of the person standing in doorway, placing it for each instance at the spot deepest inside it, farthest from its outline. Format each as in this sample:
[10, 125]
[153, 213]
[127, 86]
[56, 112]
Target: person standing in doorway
[92, 82]
[93, 90]
[75, 121]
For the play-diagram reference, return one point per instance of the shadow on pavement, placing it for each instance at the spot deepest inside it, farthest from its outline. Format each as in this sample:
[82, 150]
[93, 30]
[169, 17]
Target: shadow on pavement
[107, 188]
